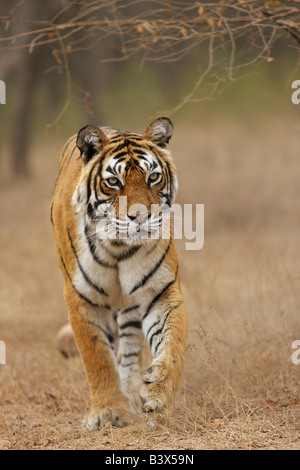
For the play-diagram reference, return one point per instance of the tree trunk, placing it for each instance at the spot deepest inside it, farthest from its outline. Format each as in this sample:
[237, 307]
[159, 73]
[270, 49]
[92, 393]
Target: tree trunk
[28, 73]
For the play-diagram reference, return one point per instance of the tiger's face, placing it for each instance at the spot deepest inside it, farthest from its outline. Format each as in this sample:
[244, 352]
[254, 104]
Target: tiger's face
[128, 182]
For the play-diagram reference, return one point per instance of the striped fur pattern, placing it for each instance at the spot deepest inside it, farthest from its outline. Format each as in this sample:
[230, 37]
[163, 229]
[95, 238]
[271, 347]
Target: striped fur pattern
[121, 290]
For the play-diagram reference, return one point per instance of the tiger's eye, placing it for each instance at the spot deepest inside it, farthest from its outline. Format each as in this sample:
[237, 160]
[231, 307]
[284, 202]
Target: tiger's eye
[113, 180]
[154, 177]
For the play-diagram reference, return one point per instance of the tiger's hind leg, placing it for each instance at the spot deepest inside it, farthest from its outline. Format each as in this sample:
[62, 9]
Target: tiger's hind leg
[165, 328]
[93, 331]
[129, 353]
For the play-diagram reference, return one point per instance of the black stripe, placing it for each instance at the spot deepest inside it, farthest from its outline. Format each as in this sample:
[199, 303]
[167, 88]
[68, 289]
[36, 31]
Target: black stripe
[131, 354]
[158, 344]
[135, 137]
[120, 156]
[141, 153]
[126, 335]
[51, 214]
[134, 324]
[141, 156]
[153, 270]
[102, 201]
[97, 175]
[154, 165]
[103, 190]
[158, 158]
[119, 148]
[90, 211]
[170, 180]
[117, 243]
[109, 336]
[78, 293]
[88, 185]
[115, 138]
[157, 332]
[129, 309]
[128, 254]
[121, 159]
[137, 163]
[110, 170]
[158, 296]
[135, 145]
[93, 252]
[153, 248]
[152, 326]
[88, 280]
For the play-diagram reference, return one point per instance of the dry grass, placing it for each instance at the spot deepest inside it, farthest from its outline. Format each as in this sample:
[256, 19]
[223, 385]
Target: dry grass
[240, 389]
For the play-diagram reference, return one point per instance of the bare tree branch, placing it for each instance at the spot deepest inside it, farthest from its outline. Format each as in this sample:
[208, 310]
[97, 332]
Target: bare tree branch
[237, 33]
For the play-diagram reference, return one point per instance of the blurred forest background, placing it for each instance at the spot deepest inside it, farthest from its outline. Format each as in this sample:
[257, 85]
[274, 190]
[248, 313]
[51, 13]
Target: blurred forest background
[112, 62]
[222, 71]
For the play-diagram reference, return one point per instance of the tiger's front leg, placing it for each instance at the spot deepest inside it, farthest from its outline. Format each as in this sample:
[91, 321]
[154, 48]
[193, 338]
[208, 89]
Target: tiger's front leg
[93, 331]
[165, 329]
[129, 352]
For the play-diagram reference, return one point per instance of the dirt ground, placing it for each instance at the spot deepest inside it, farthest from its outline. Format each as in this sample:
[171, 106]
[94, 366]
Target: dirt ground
[240, 388]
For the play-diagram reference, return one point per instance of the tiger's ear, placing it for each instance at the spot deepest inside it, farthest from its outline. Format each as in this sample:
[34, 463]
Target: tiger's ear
[160, 131]
[90, 141]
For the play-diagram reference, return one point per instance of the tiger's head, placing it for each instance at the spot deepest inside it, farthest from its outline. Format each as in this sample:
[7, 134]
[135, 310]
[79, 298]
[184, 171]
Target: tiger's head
[128, 182]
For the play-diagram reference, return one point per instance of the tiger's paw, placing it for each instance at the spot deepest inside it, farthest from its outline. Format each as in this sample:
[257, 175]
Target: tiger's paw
[157, 390]
[153, 398]
[97, 420]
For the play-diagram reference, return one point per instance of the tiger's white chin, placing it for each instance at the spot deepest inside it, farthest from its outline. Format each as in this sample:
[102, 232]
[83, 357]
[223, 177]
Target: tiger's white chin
[142, 237]
[136, 237]
[131, 234]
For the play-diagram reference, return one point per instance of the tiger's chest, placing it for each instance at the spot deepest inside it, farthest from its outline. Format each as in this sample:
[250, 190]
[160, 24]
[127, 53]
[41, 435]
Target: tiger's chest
[117, 275]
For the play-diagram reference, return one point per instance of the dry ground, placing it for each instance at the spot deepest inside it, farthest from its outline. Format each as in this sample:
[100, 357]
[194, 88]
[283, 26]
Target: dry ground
[240, 389]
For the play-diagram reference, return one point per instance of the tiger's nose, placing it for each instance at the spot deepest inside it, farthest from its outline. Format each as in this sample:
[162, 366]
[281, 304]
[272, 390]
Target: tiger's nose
[139, 217]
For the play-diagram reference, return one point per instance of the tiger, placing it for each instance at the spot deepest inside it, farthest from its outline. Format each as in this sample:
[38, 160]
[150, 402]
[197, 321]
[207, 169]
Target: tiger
[123, 290]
